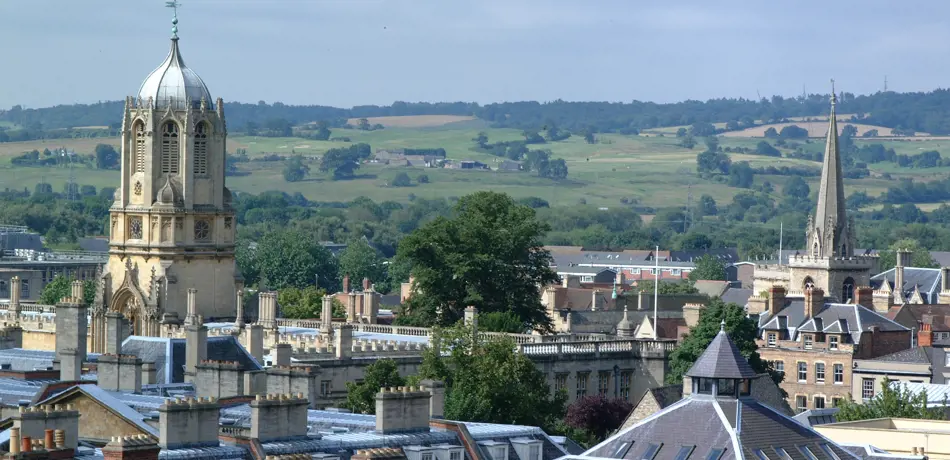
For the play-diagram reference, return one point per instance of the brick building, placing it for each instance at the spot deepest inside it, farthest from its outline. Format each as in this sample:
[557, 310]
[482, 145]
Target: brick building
[815, 341]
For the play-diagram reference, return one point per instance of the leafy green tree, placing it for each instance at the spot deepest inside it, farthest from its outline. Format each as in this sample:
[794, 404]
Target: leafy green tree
[920, 257]
[344, 162]
[557, 169]
[489, 381]
[481, 140]
[323, 131]
[741, 329]
[401, 180]
[422, 179]
[771, 133]
[43, 188]
[894, 401]
[707, 206]
[489, 254]
[589, 137]
[106, 157]
[363, 125]
[295, 170]
[361, 260]
[687, 141]
[289, 258]
[796, 187]
[87, 190]
[764, 148]
[305, 303]
[597, 414]
[708, 268]
[501, 321]
[361, 397]
[60, 287]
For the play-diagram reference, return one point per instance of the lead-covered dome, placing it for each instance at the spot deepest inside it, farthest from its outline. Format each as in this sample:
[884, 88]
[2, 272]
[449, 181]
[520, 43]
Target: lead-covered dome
[174, 84]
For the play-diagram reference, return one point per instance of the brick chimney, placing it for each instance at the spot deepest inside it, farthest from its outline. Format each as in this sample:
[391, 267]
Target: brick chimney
[346, 283]
[366, 284]
[776, 299]
[138, 447]
[864, 296]
[814, 300]
[925, 336]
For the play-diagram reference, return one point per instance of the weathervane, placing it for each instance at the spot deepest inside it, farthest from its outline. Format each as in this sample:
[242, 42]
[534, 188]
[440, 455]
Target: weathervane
[173, 4]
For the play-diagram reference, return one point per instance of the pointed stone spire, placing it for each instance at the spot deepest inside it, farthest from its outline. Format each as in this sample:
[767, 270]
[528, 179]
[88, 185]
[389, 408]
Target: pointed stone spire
[829, 233]
[624, 327]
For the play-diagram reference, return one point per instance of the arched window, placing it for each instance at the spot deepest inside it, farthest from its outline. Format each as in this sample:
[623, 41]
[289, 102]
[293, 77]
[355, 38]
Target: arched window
[847, 289]
[201, 149]
[138, 161]
[808, 283]
[170, 148]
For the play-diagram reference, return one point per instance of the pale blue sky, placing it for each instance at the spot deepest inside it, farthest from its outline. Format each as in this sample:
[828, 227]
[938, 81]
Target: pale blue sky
[350, 52]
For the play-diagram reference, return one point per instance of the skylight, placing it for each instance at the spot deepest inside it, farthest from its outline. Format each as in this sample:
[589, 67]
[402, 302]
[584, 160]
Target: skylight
[651, 451]
[684, 452]
[782, 454]
[622, 449]
[807, 453]
[715, 454]
[831, 454]
[761, 455]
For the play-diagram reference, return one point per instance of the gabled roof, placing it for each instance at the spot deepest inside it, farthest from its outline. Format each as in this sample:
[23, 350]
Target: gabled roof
[169, 354]
[925, 279]
[110, 402]
[916, 355]
[722, 360]
[849, 319]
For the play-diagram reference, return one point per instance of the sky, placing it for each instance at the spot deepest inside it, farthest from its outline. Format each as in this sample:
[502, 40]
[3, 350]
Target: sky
[352, 52]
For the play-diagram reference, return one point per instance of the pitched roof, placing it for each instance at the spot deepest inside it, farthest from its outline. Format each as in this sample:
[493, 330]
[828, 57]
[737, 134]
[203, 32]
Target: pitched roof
[850, 319]
[703, 425]
[722, 360]
[712, 288]
[927, 279]
[736, 295]
[916, 355]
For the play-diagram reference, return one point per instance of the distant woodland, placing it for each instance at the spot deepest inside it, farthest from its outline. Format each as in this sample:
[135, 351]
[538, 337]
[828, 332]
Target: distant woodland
[927, 112]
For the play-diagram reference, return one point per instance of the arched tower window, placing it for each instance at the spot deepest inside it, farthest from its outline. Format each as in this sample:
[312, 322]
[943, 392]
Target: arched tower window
[138, 161]
[808, 283]
[847, 289]
[170, 148]
[201, 149]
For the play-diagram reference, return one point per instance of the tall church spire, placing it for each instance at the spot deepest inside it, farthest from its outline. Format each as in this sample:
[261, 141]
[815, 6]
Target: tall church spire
[830, 232]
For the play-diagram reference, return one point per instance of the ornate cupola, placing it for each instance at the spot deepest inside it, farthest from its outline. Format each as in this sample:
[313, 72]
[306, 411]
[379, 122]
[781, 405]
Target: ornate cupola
[172, 225]
[721, 371]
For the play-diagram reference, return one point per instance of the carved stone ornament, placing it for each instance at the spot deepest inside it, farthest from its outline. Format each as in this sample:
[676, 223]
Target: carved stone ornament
[137, 189]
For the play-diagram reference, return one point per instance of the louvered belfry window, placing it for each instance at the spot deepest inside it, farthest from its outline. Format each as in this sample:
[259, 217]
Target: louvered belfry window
[171, 151]
[201, 149]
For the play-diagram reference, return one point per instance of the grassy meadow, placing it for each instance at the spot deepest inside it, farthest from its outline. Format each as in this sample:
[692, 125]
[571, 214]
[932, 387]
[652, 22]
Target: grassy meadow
[649, 169]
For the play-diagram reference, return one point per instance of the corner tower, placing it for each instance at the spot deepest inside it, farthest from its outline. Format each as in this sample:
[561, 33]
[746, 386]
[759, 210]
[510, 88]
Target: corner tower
[171, 225]
[828, 261]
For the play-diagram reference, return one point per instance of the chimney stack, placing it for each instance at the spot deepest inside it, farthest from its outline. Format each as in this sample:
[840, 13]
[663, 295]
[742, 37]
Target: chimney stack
[864, 296]
[366, 284]
[138, 447]
[346, 283]
[326, 316]
[776, 299]
[196, 339]
[114, 333]
[191, 422]
[120, 373]
[33, 422]
[278, 416]
[471, 317]
[239, 315]
[191, 303]
[15, 297]
[902, 257]
[267, 310]
[371, 305]
[814, 300]
[402, 410]
[925, 336]
[254, 335]
[282, 354]
[72, 327]
[436, 390]
[343, 341]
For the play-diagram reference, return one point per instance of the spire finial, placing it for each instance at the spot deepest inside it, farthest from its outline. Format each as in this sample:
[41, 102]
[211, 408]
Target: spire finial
[722, 325]
[834, 97]
[173, 4]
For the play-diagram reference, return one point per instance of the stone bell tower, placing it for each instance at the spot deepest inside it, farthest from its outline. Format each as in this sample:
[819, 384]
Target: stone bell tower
[172, 225]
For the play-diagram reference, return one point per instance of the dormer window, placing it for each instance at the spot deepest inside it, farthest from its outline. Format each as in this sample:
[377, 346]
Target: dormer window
[832, 342]
[772, 337]
[808, 339]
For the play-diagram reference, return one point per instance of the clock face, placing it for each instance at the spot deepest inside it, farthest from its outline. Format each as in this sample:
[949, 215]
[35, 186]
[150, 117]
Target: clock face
[202, 230]
[135, 227]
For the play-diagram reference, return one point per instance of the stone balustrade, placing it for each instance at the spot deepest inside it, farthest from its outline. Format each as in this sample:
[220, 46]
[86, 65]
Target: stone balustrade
[597, 347]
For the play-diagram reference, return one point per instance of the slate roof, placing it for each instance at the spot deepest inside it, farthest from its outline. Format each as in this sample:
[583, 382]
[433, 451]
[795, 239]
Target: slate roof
[704, 424]
[937, 315]
[22, 359]
[721, 360]
[850, 319]
[737, 296]
[157, 350]
[916, 355]
[928, 280]
[108, 400]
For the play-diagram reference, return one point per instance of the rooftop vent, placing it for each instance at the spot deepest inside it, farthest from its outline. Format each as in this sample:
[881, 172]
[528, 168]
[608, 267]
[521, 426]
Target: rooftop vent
[5, 366]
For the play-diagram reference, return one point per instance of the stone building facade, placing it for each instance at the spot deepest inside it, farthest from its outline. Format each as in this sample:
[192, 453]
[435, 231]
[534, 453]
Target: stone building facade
[172, 225]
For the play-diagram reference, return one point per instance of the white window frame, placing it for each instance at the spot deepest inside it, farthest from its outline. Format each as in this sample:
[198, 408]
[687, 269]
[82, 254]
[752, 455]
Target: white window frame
[832, 342]
[867, 393]
[819, 372]
[808, 340]
[821, 398]
[801, 408]
[838, 370]
[772, 339]
[802, 369]
[780, 367]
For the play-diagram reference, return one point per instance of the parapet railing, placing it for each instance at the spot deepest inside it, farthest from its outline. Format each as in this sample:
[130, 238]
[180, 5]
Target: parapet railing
[611, 346]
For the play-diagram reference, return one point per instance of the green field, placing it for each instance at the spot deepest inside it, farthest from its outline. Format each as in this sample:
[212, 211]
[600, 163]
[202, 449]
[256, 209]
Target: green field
[648, 170]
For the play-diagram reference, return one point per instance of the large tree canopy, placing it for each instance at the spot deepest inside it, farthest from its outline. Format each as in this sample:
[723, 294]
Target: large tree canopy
[288, 258]
[488, 255]
[741, 329]
[708, 268]
[894, 401]
[361, 397]
[488, 381]
[61, 287]
[360, 260]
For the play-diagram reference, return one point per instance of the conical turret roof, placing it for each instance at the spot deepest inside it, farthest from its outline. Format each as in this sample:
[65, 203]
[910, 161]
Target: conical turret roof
[722, 360]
